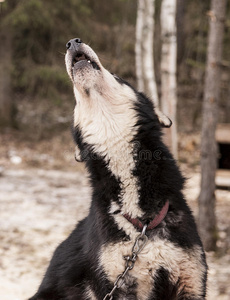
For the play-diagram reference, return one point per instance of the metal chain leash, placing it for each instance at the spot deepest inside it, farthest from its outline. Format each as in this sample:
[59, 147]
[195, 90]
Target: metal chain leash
[138, 246]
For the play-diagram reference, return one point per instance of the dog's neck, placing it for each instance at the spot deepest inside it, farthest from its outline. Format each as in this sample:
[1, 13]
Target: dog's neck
[125, 175]
[125, 156]
[128, 181]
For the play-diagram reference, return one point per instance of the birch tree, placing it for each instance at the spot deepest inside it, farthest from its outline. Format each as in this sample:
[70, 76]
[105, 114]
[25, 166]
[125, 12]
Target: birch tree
[144, 49]
[138, 45]
[207, 220]
[144, 55]
[168, 69]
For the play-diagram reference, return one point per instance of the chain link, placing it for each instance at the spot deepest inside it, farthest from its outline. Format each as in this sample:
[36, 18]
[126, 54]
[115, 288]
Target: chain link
[140, 242]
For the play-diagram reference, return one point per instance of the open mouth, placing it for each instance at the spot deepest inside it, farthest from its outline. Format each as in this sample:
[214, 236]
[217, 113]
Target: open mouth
[80, 56]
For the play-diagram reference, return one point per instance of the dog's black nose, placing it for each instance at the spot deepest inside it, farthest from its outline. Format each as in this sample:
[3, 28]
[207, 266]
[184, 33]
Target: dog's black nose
[73, 43]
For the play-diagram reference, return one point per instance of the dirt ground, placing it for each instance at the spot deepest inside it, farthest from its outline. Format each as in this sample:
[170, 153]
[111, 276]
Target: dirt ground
[40, 203]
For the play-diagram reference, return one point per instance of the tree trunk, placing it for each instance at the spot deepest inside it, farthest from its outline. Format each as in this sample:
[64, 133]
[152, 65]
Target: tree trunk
[207, 220]
[168, 70]
[144, 49]
[6, 103]
[148, 53]
[180, 13]
[138, 45]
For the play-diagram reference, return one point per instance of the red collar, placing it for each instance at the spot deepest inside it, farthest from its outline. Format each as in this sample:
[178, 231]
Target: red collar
[156, 221]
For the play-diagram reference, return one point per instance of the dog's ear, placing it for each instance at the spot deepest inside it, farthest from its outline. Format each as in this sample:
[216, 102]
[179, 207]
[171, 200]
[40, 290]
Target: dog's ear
[163, 119]
[78, 154]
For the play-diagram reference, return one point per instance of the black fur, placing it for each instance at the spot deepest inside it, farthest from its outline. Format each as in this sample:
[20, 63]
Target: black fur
[75, 263]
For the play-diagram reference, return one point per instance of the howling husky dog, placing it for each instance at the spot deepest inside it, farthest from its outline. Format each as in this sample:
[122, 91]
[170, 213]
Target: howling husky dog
[139, 241]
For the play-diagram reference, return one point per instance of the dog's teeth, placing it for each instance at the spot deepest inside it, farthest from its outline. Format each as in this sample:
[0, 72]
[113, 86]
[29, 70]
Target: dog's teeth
[88, 61]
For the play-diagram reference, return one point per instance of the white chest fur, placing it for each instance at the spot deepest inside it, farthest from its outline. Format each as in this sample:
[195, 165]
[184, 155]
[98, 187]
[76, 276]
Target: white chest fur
[180, 264]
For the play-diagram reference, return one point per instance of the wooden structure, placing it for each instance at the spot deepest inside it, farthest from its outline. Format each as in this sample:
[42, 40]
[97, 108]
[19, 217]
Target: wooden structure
[223, 142]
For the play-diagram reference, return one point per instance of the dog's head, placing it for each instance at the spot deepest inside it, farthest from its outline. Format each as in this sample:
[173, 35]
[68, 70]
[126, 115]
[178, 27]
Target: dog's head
[105, 104]
[90, 79]
[108, 110]
[83, 66]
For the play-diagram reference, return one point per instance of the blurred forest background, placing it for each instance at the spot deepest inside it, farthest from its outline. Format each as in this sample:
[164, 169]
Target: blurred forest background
[36, 107]
[33, 38]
